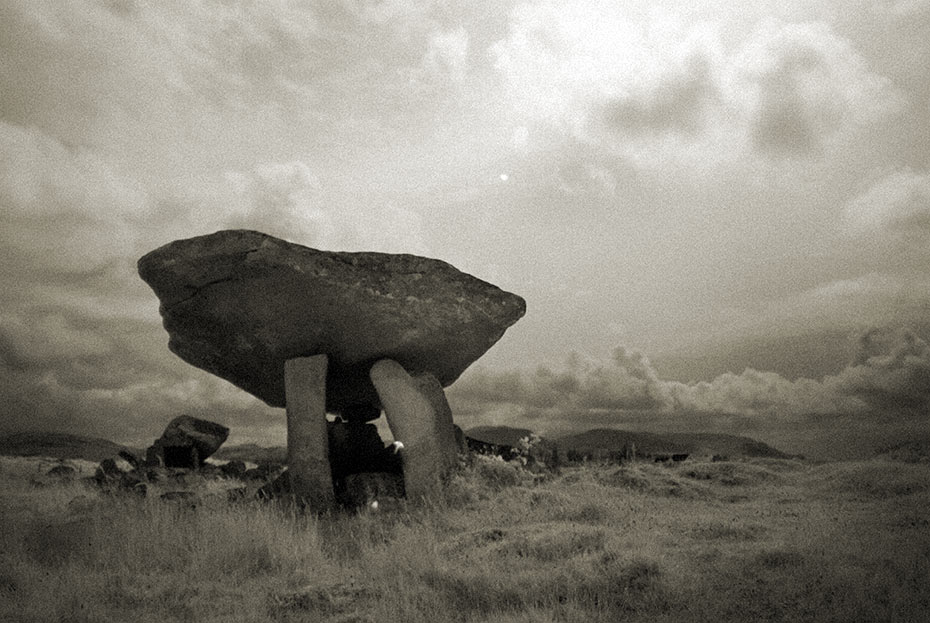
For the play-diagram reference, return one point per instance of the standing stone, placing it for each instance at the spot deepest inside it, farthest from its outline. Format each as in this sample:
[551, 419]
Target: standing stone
[413, 420]
[307, 441]
[431, 389]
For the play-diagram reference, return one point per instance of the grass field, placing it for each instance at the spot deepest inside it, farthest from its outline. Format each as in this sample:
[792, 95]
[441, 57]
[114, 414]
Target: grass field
[755, 540]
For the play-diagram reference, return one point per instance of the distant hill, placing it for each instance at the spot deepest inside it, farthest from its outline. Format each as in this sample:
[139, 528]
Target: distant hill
[253, 453]
[911, 451]
[667, 443]
[500, 435]
[59, 446]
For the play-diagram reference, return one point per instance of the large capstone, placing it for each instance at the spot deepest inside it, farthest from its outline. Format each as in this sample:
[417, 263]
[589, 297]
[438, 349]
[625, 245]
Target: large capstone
[240, 303]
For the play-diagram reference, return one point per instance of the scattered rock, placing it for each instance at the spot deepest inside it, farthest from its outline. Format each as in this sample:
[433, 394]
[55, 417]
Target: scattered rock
[63, 472]
[508, 453]
[233, 469]
[240, 303]
[263, 473]
[110, 472]
[133, 482]
[130, 458]
[187, 442]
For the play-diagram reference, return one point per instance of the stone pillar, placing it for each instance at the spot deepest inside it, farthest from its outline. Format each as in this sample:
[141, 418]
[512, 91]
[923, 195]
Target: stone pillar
[411, 410]
[307, 440]
[431, 389]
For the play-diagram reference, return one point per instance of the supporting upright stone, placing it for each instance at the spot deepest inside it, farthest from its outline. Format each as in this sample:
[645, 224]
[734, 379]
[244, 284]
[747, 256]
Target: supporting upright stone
[431, 388]
[307, 442]
[413, 419]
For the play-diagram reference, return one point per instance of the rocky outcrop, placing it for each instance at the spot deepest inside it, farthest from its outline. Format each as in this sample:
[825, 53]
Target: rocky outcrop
[241, 303]
[187, 442]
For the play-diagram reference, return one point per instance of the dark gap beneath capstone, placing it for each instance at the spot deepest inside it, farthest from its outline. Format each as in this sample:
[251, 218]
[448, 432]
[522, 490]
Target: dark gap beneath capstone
[181, 456]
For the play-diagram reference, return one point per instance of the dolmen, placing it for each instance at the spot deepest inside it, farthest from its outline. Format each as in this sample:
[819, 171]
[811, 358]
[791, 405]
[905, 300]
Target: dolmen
[317, 332]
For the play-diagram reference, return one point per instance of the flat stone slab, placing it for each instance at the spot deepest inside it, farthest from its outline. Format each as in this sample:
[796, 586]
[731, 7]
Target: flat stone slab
[240, 303]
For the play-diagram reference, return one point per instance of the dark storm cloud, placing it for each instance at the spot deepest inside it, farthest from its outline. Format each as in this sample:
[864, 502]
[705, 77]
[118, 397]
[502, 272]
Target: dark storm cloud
[891, 371]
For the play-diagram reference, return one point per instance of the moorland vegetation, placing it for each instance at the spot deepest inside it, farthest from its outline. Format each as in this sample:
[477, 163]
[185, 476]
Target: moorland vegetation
[756, 539]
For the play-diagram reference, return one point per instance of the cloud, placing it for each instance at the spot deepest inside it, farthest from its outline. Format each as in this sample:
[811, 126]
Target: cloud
[628, 382]
[81, 347]
[806, 86]
[132, 412]
[101, 58]
[677, 102]
[282, 199]
[447, 52]
[898, 295]
[64, 209]
[891, 370]
[666, 87]
[288, 200]
[897, 204]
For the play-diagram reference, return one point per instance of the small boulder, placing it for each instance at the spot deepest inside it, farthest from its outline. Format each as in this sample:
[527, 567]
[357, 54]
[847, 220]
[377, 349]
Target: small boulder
[130, 458]
[62, 472]
[263, 473]
[233, 469]
[110, 472]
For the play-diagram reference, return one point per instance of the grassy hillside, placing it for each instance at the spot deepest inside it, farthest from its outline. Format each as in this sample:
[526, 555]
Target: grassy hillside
[501, 435]
[58, 445]
[253, 453]
[912, 451]
[754, 540]
[701, 444]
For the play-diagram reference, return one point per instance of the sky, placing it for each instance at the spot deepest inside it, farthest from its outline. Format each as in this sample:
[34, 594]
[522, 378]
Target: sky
[718, 213]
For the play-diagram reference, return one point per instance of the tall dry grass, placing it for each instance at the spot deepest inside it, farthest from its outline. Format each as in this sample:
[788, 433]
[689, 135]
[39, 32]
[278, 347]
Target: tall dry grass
[739, 541]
